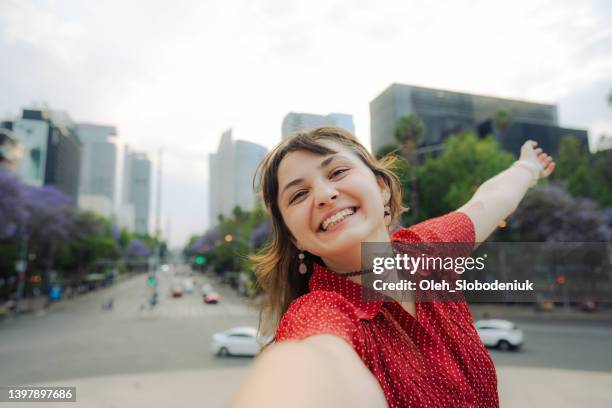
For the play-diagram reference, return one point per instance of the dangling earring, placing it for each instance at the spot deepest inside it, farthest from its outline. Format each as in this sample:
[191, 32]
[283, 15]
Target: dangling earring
[302, 269]
[387, 210]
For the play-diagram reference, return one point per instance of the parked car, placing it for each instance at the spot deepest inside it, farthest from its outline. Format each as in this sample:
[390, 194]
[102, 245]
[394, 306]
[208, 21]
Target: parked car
[502, 334]
[237, 341]
[206, 289]
[212, 298]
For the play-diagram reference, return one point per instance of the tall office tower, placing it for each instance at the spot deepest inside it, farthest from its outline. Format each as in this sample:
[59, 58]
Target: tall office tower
[136, 190]
[446, 112]
[296, 122]
[52, 151]
[231, 172]
[98, 168]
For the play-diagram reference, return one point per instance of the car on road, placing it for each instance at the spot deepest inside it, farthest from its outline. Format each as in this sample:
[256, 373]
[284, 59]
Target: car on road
[502, 334]
[238, 341]
[212, 298]
[176, 291]
[206, 289]
[188, 286]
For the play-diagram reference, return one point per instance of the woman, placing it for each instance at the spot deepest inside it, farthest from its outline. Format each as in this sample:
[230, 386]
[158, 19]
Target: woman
[326, 195]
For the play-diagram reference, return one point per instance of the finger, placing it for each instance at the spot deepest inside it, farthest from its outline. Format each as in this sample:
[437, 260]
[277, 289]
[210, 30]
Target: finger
[539, 150]
[548, 171]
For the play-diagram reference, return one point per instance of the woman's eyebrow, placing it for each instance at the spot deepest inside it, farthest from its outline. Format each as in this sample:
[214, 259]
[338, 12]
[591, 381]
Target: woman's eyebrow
[324, 163]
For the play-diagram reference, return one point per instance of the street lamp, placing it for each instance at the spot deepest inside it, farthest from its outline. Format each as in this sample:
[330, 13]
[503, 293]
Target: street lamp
[228, 238]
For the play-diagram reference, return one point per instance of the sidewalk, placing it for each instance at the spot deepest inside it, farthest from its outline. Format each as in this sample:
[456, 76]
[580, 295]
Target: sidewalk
[518, 387]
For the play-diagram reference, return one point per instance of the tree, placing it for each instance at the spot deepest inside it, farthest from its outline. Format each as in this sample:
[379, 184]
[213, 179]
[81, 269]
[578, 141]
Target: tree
[570, 156]
[602, 177]
[448, 182]
[386, 150]
[409, 131]
[549, 213]
[502, 119]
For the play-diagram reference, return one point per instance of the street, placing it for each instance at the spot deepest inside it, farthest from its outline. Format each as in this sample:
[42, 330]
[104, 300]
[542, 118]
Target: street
[77, 339]
[133, 346]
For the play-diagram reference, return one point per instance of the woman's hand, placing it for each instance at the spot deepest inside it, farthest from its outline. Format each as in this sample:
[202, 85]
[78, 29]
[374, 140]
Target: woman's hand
[531, 153]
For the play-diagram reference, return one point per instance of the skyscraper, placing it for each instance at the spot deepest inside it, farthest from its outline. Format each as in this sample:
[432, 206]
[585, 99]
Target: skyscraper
[295, 122]
[98, 167]
[137, 189]
[231, 171]
[445, 112]
[52, 151]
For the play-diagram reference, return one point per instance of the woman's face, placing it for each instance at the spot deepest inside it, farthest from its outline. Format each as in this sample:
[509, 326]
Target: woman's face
[331, 203]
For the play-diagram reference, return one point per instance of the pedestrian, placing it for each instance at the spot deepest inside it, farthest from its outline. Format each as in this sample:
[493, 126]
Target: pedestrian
[327, 194]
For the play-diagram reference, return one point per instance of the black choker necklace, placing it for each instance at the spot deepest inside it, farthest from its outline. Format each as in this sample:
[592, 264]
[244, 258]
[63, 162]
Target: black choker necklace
[356, 273]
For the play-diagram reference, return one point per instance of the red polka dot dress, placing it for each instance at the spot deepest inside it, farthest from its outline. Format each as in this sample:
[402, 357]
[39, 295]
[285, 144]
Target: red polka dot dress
[433, 360]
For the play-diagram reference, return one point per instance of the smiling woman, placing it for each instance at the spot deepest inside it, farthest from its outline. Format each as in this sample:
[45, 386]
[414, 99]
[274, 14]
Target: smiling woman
[326, 195]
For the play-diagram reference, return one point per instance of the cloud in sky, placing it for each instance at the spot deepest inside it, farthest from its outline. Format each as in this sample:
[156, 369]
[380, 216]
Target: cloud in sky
[178, 73]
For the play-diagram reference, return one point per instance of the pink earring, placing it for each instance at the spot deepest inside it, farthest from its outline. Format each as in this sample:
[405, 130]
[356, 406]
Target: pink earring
[302, 269]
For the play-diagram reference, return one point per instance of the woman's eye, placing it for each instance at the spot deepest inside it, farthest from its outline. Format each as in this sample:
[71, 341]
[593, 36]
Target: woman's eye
[338, 172]
[296, 196]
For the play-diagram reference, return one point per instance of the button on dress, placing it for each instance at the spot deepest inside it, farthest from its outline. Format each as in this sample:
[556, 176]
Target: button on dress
[433, 360]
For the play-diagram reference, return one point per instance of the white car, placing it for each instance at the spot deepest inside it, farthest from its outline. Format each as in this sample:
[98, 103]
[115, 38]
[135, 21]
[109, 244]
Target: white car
[241, 341]
[502, 334]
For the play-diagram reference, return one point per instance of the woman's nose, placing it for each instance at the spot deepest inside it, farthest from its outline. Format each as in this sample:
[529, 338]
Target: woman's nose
[325, 194]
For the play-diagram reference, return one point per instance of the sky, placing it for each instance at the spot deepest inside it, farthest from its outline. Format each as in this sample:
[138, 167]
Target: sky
[175, 74]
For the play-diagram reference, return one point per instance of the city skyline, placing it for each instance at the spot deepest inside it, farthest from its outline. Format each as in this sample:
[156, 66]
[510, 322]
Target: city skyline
[208, 68]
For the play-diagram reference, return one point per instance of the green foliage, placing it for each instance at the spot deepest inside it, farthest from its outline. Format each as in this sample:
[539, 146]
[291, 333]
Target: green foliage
[602, 177]
[409, 128]
[502, 119]
[570, 157]
[231, 256]
[584, 176]
[386, 150]
[449, 181]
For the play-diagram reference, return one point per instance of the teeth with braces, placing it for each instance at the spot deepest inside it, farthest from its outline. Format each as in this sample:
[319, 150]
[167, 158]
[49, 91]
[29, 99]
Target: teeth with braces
[336, 218]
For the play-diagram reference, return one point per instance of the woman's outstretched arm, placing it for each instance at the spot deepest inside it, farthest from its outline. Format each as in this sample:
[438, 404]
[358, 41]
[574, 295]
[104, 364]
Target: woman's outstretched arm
[499, 196]
[320, 371]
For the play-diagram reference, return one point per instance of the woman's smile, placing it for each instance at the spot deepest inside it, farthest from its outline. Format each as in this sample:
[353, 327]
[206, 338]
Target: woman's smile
[338, 220]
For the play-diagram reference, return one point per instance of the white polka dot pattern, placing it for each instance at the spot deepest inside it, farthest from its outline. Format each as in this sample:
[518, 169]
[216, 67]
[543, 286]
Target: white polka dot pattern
[433, 360]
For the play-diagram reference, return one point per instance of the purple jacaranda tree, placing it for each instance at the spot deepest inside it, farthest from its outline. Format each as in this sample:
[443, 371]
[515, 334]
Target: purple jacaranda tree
[13, 212]
[261, 234]
[551, 214]
[50, 224]
[138, 249]
[206, 242]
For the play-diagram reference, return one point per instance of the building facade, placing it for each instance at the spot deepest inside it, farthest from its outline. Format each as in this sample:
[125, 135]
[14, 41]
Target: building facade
[51, 150]
[136, 190]
[446, 112]
[231, 172]
[512, 137]
[297, 122]
[98, 168]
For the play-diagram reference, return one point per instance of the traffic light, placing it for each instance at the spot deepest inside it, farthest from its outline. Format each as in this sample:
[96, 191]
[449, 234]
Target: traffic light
[200, 260]
[152, 281]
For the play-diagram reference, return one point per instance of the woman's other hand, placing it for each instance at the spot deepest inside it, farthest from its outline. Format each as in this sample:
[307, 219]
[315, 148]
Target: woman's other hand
[531, 153]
